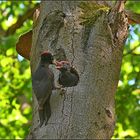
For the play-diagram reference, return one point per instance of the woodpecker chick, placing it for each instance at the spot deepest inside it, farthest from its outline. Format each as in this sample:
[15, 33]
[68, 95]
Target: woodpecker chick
[68, 76]
[43, 84]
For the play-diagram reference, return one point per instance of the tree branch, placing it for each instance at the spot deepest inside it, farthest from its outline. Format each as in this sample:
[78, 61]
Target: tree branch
[133, 18]
[21, 20]
[130, 52]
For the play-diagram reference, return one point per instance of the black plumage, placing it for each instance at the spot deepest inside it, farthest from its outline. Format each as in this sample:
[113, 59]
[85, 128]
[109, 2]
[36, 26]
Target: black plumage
[43, 84]
[68, 76]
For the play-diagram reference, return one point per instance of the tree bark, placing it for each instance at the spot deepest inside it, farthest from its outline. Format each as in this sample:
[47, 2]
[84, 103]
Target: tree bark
[87, 110]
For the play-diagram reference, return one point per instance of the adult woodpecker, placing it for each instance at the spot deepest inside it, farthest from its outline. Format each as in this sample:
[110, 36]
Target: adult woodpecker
[68, 76]
[43, 84]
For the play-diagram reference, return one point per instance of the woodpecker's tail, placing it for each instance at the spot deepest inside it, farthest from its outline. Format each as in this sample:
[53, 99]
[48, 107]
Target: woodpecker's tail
[47, 110]
[41, 116]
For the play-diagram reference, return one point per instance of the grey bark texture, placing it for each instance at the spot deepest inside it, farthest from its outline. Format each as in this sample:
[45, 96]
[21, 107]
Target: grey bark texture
[87, 110]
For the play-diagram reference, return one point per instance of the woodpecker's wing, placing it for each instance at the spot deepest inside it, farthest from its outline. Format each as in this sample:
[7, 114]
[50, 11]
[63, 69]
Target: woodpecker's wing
[42, 82]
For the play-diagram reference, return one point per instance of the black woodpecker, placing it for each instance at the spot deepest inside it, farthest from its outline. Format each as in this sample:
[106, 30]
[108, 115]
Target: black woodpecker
[43, 84]
[68, 76]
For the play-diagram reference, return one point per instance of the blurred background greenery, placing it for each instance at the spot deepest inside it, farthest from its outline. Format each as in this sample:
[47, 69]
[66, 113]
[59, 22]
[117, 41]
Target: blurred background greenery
[15, 77]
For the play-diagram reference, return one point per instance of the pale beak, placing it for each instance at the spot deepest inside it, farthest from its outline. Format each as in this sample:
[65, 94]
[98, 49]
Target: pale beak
[57, 63]
[54, 62]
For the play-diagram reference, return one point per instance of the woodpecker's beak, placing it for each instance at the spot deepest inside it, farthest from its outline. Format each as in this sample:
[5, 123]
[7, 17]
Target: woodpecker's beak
[62, 64]
[56, 63]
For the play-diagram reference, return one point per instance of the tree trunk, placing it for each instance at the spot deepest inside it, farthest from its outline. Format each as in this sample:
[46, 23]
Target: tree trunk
[87, 110]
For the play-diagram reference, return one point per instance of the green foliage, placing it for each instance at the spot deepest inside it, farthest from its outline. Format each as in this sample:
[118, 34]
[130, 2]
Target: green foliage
[91, 11]
[15, 77]
[128, 94]
[11, 10]
[15, 94]
[134, 6]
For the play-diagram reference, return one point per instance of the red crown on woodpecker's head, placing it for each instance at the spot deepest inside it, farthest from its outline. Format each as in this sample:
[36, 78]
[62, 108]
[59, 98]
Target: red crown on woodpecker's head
[45, 53]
